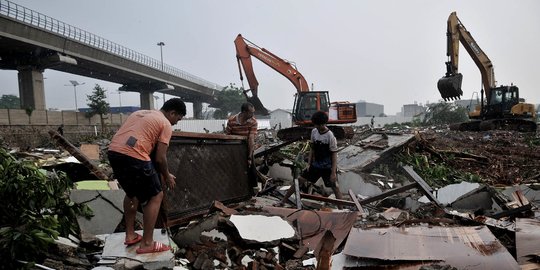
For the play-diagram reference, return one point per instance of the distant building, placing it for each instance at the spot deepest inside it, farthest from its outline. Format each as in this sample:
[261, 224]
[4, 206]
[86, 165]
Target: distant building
[280, 118]
[410, 110]
[368, 109]
[469, 104]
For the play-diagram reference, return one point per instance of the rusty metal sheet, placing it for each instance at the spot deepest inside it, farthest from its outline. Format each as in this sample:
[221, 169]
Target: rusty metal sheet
[208, 168]
[313, 224]
[527, 239]
[460, 247]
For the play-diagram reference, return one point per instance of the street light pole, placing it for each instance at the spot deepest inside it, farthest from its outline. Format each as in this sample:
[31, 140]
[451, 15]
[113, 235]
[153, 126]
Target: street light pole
[75, 84]
[120, 98]
[161, 44]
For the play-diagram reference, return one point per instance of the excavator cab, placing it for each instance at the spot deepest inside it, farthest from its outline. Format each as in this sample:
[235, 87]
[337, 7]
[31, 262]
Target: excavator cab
[501, 100]
[307, 103]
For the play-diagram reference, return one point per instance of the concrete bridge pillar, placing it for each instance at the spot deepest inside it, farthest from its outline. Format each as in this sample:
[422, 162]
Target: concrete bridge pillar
[197, 110]
[147, 100]
[31, 89]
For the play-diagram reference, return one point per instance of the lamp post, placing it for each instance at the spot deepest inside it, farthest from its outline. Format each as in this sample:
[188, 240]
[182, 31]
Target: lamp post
[156, 99]
[161, 44]
[120, 98]
[74, 84]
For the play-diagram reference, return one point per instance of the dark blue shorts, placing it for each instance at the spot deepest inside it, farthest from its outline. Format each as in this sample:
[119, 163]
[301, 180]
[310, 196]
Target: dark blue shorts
[138, 178]
[313, 174]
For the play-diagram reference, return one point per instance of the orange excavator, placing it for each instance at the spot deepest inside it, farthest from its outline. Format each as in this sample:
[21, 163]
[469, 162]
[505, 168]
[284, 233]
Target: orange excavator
[306, 102]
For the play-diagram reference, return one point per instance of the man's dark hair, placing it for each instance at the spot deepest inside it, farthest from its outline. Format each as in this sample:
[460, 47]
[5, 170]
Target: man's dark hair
[245, 107]
[174, 104]
[319, 118]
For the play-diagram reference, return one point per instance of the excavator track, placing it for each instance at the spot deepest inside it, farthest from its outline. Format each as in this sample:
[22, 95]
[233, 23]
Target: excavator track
[517, 124]
[304, 133]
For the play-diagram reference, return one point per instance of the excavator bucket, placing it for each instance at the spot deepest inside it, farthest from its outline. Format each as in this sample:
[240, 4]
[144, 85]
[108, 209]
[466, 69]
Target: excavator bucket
[259, 107]
[450, 86]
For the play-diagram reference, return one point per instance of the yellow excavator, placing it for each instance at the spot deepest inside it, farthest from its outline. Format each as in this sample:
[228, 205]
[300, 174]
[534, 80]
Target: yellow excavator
[500, 107]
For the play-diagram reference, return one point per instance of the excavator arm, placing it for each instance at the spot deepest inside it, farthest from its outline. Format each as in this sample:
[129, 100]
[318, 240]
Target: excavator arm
[244, 50]
[450, 85]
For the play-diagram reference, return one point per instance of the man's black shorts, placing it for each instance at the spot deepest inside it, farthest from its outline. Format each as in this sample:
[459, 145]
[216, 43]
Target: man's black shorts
[313, 174]
[137, 177]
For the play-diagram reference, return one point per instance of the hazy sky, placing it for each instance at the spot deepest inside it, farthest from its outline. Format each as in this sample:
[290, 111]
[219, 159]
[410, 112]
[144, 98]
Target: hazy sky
[385, 52]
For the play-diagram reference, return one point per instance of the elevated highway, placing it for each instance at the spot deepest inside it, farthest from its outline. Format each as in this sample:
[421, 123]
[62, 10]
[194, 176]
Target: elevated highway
[31, 42]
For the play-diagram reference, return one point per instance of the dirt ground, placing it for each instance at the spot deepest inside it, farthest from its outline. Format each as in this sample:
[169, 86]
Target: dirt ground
[498, 157]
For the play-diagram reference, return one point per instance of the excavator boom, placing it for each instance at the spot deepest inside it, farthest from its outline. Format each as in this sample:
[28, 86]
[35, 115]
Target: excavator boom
[244, 51]
[450, 85]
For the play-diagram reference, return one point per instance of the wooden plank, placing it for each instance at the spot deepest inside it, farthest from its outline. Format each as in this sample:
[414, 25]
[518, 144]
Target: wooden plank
[355, 200]
[424, 187]
[325, 199]
[388, 193]
[78, 155]
[260, 153]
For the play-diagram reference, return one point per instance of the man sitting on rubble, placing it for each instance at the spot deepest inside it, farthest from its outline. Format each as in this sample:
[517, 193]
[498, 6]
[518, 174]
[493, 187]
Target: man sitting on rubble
[322, 160]
[145, 133]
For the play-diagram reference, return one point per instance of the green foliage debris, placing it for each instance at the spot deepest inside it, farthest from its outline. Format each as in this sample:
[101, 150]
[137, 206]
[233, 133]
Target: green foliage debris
[35, 210]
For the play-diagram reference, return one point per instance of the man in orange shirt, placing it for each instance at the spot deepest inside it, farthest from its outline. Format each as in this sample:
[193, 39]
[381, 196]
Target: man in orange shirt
[145, 133]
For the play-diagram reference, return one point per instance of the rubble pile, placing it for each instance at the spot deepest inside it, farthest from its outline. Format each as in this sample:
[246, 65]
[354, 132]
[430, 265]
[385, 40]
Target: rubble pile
[434, 199]
[498, 157]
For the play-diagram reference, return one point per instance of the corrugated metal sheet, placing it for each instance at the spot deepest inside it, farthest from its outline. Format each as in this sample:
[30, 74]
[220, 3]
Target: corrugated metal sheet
[527, 239]
[207, 167]
[460, 247]
[313, 224]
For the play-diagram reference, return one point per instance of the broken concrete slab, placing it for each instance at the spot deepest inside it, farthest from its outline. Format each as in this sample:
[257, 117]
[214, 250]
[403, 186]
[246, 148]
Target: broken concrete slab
[262, 228]
[448, 194]
[476, 200]
[460, 247]
[278, 171]
[359, 158]
[355, 181]
[192, 233]
[106, 206]
[115, 248]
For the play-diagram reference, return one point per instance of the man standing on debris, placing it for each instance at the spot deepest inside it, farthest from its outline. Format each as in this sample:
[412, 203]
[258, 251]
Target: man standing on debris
[322, 160]
[373, 121]
[60, 130]
[141, 142]
[244, 124]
